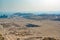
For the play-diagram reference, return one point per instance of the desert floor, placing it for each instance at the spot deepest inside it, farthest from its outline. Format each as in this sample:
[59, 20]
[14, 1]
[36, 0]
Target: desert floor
[16, 29]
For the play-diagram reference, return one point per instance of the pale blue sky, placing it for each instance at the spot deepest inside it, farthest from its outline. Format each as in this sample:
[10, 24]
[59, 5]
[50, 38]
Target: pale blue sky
[29, 5]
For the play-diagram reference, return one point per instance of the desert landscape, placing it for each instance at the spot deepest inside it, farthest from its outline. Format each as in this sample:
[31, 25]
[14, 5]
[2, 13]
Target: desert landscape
[29, 19]
[19, 28]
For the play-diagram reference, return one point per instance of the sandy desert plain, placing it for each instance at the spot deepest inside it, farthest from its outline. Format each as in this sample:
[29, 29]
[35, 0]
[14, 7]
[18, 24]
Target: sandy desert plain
[27, 29]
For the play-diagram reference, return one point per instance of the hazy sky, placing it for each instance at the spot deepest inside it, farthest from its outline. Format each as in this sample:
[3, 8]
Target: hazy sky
[29, 5]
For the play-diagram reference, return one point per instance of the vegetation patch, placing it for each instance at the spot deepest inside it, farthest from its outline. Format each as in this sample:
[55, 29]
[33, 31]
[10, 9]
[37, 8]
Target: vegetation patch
[48, 38]
[32, 25]
[1, 37]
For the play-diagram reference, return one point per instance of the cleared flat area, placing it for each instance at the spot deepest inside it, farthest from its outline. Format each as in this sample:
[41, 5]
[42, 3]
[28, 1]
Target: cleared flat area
[16, 28]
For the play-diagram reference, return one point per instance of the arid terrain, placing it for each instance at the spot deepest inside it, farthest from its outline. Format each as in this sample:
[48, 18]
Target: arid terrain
[27, 29]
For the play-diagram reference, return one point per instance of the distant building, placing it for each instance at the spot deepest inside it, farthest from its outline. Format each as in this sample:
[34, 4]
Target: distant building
[3, 16]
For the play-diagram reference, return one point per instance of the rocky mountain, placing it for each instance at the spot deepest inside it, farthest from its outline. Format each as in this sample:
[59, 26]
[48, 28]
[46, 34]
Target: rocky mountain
[33, 16]
[37, 16]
